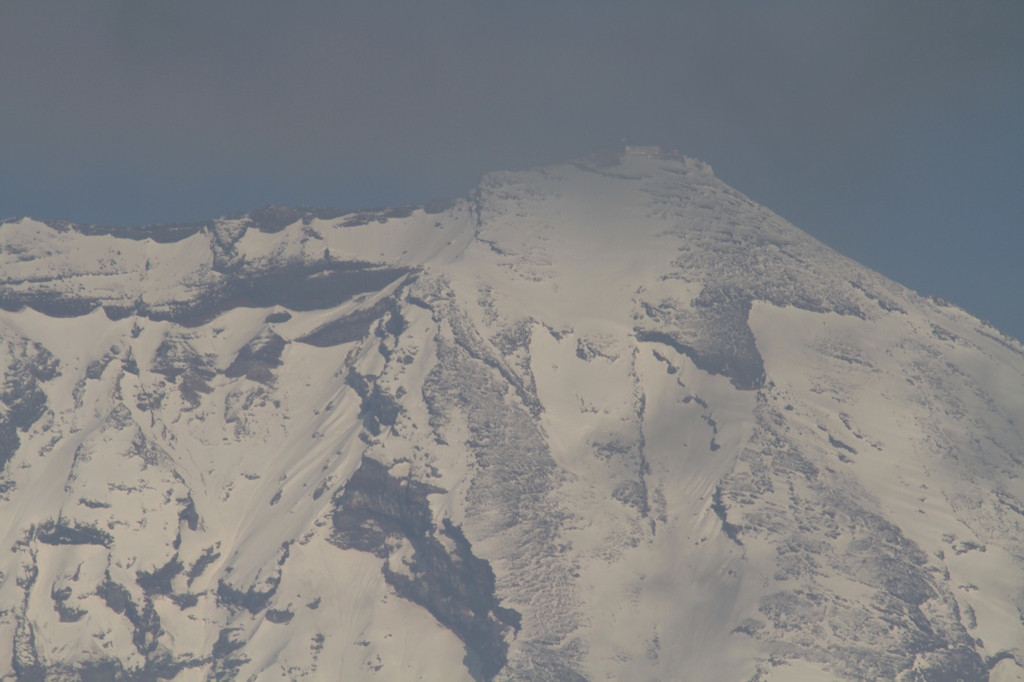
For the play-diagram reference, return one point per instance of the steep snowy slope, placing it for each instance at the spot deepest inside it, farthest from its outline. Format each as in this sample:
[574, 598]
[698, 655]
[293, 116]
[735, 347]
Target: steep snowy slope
[605, 420]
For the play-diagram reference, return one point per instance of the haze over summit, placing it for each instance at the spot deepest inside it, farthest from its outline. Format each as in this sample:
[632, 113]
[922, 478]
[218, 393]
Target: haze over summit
[891, 132]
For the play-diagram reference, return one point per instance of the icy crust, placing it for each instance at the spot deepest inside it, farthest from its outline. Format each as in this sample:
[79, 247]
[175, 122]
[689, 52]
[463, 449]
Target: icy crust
[606, 420]
[733, 251]
[859, 456]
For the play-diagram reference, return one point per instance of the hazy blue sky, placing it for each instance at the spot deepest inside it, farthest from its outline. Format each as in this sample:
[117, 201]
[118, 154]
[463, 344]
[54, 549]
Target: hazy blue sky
[893, 131]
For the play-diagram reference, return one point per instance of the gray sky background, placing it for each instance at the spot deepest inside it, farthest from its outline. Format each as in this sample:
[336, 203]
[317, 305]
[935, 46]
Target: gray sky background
[892, 131]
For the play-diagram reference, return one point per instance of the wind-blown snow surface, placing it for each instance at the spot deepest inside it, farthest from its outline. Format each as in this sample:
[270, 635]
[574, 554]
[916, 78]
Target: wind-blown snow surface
[599, 421]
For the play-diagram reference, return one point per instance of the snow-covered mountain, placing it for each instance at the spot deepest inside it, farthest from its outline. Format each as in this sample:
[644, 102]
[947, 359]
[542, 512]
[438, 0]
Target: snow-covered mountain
[604, 420]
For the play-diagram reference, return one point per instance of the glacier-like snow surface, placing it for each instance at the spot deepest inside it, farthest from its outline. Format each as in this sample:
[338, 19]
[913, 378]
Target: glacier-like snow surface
[603, 420]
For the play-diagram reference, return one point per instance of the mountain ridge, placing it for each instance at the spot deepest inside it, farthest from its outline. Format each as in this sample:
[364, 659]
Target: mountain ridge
[606, 417]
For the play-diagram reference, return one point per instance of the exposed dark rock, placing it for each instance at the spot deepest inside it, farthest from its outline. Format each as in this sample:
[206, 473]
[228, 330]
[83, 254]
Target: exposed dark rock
[208, 556]
[252, 600]
[144, 619]
[960, 664]
[513, 482]
[175, 356]
[278, 317]
[322, 488]
[188, 514]
[25, 661]
[159, 580]
[791, 461]
[129, 364]
[46, 302]
[120, 417]
[275, 218]
[379, 408]
[632, 494]
[102, 671]
[418, 302]
[735, 356]
[539, 665]
[380, 214]
[296, 286]
[149, 400]
[225, 667]
[884, 301]
[67, 614]
[731, 531]
[352, 327]
[585, 351]
[162, 233]
[21, 396]
[257, 358]
[279, 616]
[375, 509]
[374, 506]
[316, 287]
[191, 386]
[396, 323]
[749, 627]
[185, 601]
[95, 368]
[157, 667]
[836, 443]
[60, 533]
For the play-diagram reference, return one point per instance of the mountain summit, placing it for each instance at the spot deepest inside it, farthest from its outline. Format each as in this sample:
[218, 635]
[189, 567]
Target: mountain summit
[604, 420]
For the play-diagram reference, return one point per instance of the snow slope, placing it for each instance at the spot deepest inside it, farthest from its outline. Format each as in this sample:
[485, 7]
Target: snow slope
[603, 420]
